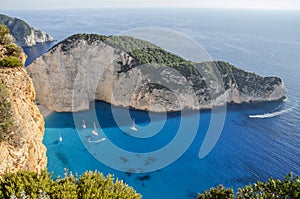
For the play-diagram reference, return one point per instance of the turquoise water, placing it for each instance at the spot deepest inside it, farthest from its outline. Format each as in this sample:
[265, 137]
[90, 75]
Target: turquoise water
[249, 149]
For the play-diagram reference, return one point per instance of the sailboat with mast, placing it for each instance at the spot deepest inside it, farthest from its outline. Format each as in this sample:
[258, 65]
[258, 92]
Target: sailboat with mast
[83, 124]
[95, 132]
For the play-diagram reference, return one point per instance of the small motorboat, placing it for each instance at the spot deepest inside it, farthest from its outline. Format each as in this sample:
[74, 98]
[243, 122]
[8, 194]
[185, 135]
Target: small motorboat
[132, 127]
[59, 137]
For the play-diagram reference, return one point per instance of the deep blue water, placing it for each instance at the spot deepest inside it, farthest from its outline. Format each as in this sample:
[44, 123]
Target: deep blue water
[249, 149]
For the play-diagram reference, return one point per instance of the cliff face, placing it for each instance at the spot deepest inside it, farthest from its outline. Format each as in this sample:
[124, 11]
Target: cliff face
[87, 67]
[23, 33]
[25, 149]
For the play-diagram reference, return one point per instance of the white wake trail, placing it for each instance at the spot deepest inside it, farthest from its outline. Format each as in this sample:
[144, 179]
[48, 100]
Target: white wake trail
[96, 141]
[269, 115]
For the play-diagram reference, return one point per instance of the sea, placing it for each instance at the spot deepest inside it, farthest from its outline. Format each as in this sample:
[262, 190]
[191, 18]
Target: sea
[256, 142]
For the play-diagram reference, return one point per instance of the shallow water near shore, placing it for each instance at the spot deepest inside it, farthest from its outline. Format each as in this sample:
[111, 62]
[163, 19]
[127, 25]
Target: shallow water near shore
[248, 150]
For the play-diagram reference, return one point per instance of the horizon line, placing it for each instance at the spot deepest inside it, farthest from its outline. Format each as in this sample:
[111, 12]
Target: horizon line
[160, 7]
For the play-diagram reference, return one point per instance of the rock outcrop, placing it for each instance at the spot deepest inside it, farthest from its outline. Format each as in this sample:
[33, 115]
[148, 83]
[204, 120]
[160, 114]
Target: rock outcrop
[133, 73]
[23, 33]
[24, 148]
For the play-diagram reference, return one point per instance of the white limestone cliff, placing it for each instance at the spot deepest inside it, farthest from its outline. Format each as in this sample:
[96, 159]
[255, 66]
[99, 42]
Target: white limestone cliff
[24, 34]
[80, 69]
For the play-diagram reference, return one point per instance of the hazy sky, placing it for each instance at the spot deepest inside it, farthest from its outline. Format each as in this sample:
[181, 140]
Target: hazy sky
[248, 4]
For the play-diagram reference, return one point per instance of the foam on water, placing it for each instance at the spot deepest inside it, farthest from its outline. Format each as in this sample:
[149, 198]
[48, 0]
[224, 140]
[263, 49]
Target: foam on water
[269, 115]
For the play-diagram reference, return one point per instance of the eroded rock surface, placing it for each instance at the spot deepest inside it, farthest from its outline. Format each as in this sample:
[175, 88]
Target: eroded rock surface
[25, 149]
[86, 67]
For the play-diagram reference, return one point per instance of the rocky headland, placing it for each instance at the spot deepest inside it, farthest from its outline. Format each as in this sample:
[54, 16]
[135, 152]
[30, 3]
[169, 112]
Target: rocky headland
[129, 72]
[24, 34]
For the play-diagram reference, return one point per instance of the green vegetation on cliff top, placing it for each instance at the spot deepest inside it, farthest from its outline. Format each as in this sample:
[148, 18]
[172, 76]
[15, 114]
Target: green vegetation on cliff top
[10, 55]
[146, 53]
[143, 51]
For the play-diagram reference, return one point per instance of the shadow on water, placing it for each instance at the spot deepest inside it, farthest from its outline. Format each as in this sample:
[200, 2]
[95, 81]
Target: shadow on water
[143, 178]
[34, 52]
[63, 158]
[105, 117]
[256, 108]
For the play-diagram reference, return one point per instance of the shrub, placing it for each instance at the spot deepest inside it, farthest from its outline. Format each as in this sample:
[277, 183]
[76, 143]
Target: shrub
[26, 184]
[13, 50]
[5, 36]
[65, 188]
[8, 39]
[4, 30]
[6, 120]
[96, 185]
[217, 192]
[10, 61]
[289, 188]
[10, 130]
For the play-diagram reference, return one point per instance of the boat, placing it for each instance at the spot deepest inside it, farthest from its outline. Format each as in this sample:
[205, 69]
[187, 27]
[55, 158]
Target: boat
[285, 99]
[95, 132]
[59, 137]
[132, 127]
[83, 124]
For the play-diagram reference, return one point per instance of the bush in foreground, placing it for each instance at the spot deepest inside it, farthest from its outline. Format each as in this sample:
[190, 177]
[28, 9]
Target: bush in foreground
[13, 50]
[4, 30]
[5, 36]
[26, 184]
[288, 188]
[10, 53]
[217, 192]
[10, 61]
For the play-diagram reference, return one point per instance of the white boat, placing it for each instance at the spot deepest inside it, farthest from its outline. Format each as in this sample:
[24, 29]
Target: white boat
[59, 137]
[95, 132]
[83, 124]
[132, 127]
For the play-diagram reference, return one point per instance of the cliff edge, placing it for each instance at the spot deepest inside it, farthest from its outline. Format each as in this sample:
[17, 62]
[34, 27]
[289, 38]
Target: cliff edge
[24, 34]
[21, 124]
[23, 147]
[129, 72]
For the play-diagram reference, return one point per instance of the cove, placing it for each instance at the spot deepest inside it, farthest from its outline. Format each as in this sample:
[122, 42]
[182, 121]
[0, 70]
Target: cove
[248, 149]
